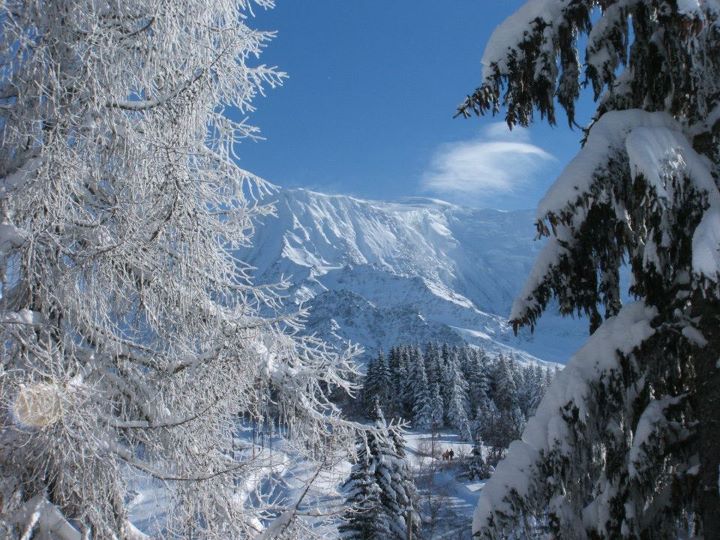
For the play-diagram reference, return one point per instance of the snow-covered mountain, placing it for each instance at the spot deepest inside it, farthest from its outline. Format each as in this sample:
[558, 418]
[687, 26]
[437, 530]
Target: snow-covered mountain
[381, 274]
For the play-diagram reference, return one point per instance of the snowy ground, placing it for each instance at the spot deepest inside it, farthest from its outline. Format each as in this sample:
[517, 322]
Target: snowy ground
[447, 501]
[281, 482]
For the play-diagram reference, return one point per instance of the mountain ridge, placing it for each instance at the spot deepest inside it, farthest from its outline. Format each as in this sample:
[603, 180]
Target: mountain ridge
[384, 273]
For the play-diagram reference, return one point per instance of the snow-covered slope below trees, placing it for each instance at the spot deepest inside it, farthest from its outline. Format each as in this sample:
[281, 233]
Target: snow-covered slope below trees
[379, 273]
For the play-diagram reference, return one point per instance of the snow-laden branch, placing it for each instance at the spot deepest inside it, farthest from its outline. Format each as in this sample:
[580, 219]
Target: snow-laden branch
[39, 515]
[654, 149]
[547, 430]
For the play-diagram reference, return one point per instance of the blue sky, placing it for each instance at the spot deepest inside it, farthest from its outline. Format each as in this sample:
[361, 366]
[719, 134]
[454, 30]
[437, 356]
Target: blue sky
[367, 109]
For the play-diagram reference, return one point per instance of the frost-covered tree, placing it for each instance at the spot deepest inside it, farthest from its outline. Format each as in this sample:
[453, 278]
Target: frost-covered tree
[130, 336]
[625, 443]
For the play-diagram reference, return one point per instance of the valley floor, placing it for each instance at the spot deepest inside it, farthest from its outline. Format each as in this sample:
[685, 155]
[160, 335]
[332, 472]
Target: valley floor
[447, 500]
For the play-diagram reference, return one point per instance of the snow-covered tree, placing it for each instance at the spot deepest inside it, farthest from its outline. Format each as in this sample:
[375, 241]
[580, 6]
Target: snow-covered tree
[381, 495]
[399, 371]
[457, 409]
[422, 412]
[531, 388]
[449, 375]
[501, 427]
[416, 374]
[432, 363]
[474, 371]
[625, 443]
[437, 408]
[477, 468]
[411, 360]
[486, 415]
[397, 484]
[462, 402]
[504, 384]
[378, 384]
[130, 336]
[364, 517]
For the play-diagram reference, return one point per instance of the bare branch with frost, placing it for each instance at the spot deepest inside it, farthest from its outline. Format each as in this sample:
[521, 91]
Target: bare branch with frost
[132, 339]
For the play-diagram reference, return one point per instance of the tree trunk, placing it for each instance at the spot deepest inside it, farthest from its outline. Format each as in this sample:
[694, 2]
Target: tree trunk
[707, 404]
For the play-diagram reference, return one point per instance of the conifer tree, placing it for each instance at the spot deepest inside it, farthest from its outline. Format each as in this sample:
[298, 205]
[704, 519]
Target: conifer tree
[437, 407]
[370, 385]
[422, 412]
[381, 495]
[364, 516]
[627, 433]
[457, 409]
[477, 468]
[417, 376]
[528, 384]
[393, 405]
[477, 378]
[537, 388]
[504, 384]
[408, 361]
[449, 374]
[397, 484]
[486, 416]
[376, 387]
[432, 363]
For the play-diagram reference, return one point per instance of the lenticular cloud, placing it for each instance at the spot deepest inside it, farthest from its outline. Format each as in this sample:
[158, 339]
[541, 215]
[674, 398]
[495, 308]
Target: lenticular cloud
[481, 166]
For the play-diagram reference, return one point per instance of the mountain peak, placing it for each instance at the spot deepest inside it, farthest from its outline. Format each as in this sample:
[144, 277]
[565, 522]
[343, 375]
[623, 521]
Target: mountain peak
[381, 274]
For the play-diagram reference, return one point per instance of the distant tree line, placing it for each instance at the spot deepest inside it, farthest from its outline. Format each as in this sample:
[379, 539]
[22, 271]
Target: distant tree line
[483, 397]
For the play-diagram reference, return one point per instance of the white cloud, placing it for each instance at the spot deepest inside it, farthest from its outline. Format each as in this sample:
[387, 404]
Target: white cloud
[500, 161]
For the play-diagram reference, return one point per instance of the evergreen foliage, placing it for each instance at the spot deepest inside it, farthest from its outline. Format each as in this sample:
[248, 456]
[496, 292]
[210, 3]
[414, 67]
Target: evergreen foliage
[377, 384]
[478, 468]
[381, 496]
[467, 390]
[421, 398]
[364, 517]
[438, 411]
[628, 432]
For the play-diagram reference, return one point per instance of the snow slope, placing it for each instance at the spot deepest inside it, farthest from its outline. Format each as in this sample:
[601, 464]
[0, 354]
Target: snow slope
[380, 274]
